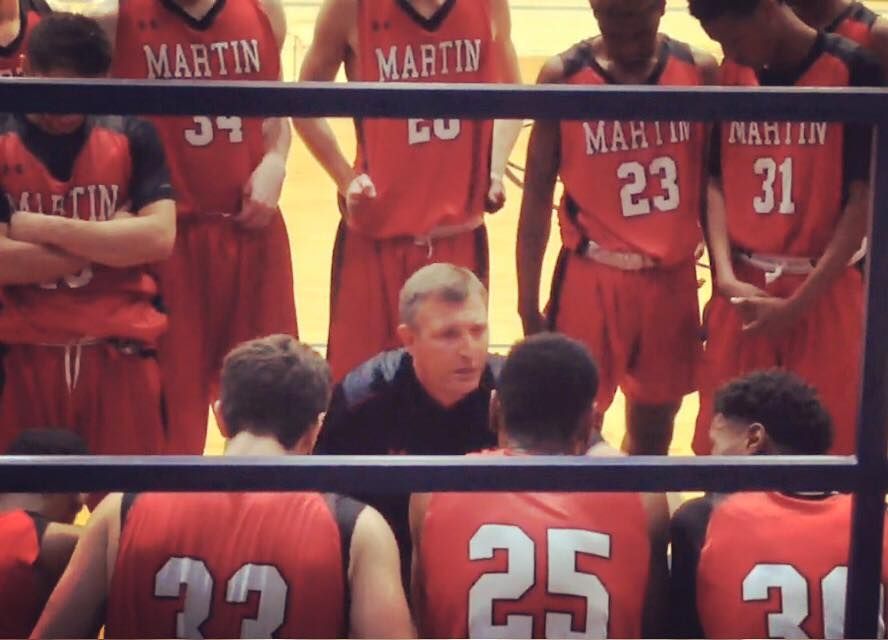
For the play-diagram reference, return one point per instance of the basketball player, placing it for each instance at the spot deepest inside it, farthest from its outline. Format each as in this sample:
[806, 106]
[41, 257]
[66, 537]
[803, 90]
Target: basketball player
[230, 276]
[536, 565]
[852, 20]
[763, 565]
[787, 212]
[86, 204]
[625, 283]
[36, 536]
[418, 189]
[315, 566]
[17, 19]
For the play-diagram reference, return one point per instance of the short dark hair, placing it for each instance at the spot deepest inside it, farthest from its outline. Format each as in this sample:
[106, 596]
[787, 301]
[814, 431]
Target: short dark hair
[547, 383]
[706, 10]
[47, 442]
[274, 386]
[787, 407]
[69, 42]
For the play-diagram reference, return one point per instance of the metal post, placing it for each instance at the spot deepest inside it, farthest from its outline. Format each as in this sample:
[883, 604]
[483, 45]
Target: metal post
[868, 518]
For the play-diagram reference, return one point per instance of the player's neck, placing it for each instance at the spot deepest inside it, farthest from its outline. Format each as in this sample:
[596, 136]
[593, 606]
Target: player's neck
[197, 9]
[10, 13]
[795, 45]
[520, 447]
[250, 444]
[637, 74]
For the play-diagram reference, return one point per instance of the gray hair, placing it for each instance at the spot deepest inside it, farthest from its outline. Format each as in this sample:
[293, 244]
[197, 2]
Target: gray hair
[442, 281]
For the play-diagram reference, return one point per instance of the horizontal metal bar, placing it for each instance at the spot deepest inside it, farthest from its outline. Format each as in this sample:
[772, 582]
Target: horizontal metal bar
[398, 474]
[400, 100]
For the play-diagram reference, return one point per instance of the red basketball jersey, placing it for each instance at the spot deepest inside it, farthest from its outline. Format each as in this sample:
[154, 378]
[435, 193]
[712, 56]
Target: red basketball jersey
[632, 185]
[428, 173]
[534, 565]
[855, 23]
[232, 565]
[13, 55]
[22, 596]
[100, 301]
[774, 566]
[211, 158]
[785, 183]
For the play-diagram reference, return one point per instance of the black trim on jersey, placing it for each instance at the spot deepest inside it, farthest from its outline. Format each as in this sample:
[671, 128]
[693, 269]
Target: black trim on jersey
[37, 6]
[769, 78]
[126, 504]
[57, 153]
[198, 25]
[855, 12]
[653, 78]
[432, 23]
[687, 534]
[40, 525]
[558, 278]
[345, 512]
[13, 47]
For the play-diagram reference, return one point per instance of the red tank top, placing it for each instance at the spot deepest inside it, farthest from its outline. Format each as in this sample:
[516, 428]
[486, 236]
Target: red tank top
[533, 565]
[13, 55]
[237, 565]
[99, 302]
[631, 185]
[785, 183]
[428, 173]
[211, 158]
[774, 566]
[855, 23]
[21, 596]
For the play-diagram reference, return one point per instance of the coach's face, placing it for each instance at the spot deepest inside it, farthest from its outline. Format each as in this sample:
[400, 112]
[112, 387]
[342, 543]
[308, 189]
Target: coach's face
[448, 342]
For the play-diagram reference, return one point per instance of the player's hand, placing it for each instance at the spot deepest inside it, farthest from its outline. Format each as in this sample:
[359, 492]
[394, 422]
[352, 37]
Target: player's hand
[261, 194]
[361, 190]
[496, 195]
[767, 316]
[734, 288]
[534, 322]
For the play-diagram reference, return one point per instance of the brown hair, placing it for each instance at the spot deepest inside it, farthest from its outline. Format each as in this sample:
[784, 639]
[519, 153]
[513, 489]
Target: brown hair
[274, 386]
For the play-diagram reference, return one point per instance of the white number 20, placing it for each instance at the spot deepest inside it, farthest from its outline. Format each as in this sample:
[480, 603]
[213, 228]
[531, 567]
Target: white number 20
[194, 574]
[563, 579]
[637, 174]
[420, 131]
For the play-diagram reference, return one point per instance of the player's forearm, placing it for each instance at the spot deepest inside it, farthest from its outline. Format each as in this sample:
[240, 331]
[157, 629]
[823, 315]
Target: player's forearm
[845, 243]
[717, 238]
[277, 137]
[505, 135]
[534, 228]
[28, 263]
[318, 137]
[120, 243]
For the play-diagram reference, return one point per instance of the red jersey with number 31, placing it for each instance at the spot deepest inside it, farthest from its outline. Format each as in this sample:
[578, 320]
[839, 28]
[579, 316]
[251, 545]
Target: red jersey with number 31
[533, 565]
[775, 566]
[229, 565]
[427, 173]
[211, 158]
[631, 185]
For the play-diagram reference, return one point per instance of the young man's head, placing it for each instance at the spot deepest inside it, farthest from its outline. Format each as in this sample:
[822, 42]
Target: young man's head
[545, 396]
[443, 311]
[275, 387]
[629, 29]
[65, 45]
[749, 31]
[770, 412]
[57, 507]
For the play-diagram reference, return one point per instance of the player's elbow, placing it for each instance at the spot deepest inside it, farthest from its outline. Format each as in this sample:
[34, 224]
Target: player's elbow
[161, 243]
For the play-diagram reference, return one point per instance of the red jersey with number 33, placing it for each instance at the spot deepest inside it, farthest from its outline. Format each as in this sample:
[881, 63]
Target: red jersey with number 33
[427, 173]
[229, 565]
[775, 566]
[631, 185]
[211, 158]
[786, 183]
[533, 565]
[855, 23]
[22, 595]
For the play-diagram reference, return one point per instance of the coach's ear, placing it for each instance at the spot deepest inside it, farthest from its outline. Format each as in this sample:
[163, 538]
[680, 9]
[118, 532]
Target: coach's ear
[406, 335]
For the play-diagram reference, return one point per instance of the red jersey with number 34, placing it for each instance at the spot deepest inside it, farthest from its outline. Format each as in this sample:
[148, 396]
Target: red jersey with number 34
[775, 566]
[631, 185]
[230, 565]
[533, 565]
[211, 158]
[427, 173]
[786, 183]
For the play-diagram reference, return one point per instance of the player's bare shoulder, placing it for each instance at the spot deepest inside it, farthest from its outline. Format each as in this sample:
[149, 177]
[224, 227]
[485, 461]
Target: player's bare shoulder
[277, 17]
[560, 67]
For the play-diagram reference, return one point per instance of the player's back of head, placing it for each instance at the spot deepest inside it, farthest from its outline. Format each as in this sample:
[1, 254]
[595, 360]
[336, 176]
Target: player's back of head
[47, 442]
[274, 386]
[794, 419]
[69, 44]
[546, 391]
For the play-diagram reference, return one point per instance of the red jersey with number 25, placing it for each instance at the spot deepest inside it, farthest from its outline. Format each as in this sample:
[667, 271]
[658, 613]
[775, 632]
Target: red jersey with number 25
[631, 185]
[427, 173]
[775, 566]
[211, 158]
[786, 183]
[533, 565]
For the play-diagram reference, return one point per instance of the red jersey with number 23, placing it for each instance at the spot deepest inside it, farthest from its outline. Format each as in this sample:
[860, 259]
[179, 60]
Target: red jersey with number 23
[427, 173]
[631, 185]
[533, 565]
[211, 158]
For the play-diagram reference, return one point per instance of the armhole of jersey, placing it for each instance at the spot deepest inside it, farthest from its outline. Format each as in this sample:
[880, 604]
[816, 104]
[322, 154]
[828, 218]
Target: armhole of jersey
[345, 512]
[126, 504]
[681, 50]
[39, 7]
[40, 525]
